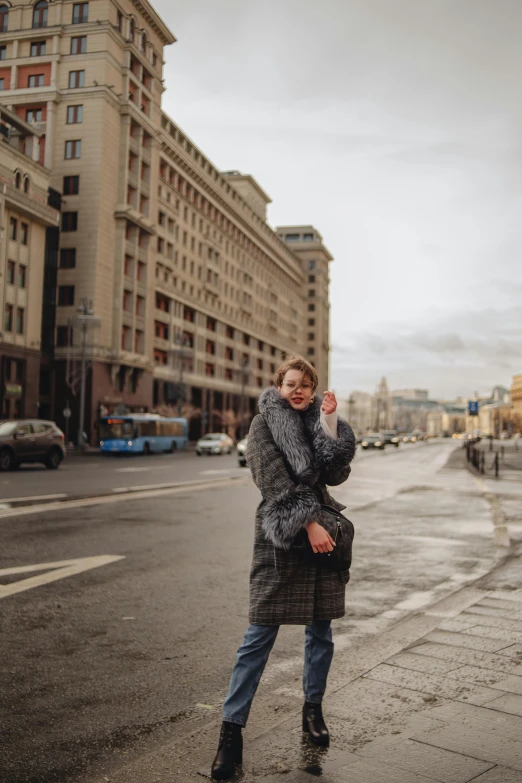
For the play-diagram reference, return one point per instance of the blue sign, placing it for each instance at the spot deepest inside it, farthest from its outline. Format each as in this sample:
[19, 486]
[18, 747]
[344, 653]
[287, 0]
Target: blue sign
[473, 408]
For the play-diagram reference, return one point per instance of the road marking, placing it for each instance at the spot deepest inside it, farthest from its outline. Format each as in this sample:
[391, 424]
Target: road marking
[216, 472]
[123, 493]
[60, 570]
[133, 470]
[35, 497]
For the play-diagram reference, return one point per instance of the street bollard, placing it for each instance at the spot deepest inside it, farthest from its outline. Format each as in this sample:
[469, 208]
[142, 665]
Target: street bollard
[482, 459]
[496, 464]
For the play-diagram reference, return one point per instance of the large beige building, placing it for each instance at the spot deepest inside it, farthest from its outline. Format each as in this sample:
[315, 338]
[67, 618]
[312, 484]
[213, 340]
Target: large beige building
[28, 237]
[197, 298]
[307, 244]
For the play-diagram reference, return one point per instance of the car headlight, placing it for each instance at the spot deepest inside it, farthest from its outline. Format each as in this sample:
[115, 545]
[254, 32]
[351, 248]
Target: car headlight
[414, 440]
[378, 443]
[364, 443]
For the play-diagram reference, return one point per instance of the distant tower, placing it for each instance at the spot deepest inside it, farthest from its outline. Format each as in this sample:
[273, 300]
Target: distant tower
[382, 408]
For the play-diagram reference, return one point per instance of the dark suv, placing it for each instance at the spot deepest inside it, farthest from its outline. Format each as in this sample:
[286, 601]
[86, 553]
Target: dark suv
[30, 441]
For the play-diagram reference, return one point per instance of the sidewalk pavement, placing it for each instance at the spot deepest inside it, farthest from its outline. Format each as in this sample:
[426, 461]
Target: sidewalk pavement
[436, 697]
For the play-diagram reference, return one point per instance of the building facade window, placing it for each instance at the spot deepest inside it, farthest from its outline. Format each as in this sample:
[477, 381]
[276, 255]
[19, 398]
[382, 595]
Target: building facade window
[62, 336]
[69, 221]
[33, 115]
[11, 267]
[66, 295]
[79, 44]
[311, 292]
[2, 85]
[40, 13]
[74, 115]
[22, 276]
[24, 233]
[311, 308]
[3, 52]
[36, 80]
[4, 18]
[68, 258]
[73, 149]
[38, 48]
[80, 13]
[20, 320]
[311, 265]
[71, 185]
[76, 79]
[13, 229]
[8, 318]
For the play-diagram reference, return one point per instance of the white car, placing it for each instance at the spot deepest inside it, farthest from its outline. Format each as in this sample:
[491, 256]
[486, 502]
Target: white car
[214, 443]
[241, 453]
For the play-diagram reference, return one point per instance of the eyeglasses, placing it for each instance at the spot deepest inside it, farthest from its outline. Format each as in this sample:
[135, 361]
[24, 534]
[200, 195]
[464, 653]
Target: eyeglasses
[293, 386]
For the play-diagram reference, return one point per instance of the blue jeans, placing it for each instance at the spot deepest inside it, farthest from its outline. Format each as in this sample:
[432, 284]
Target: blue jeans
[251, 660]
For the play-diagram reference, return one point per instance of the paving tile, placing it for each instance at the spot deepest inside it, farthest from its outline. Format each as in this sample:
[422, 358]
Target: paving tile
[508, 608]
[482, 718]
[478, 675]
[506, 634]
[435, 763]
[483, 744]
[515, 651]
[499, 775]
[463, 655]
[507, 595]
[491, 612]
[508, 702]
[462, 640]
[512, 683]
[366, 771]
[297, 776]
[491, 621]
[423, 663]
[432, 684]
[457, 624]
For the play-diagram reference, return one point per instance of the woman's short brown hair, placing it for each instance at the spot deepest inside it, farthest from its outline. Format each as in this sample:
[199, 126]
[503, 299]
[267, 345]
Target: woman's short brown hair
[296, 362]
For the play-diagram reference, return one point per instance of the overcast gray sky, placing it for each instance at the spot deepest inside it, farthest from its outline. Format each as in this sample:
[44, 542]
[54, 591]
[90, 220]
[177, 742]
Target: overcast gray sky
[395, 127]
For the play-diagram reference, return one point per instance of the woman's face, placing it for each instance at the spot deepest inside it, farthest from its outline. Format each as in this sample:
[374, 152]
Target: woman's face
[297, 389]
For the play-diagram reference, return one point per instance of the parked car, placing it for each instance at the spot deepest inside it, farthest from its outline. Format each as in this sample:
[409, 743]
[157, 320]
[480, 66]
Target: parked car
[391, 438]
[214, 443]
[372, 442]
[241, 452]
[31, 441]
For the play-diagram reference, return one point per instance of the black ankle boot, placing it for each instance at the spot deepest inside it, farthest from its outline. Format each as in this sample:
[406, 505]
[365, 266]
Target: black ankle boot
[230, 751]
[314, 725]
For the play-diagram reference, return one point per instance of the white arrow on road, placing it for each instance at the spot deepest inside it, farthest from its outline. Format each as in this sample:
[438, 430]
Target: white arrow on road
[53, 572]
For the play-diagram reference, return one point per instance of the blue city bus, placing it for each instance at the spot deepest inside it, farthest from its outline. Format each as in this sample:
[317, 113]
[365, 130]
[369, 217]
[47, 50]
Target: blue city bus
[142, 433]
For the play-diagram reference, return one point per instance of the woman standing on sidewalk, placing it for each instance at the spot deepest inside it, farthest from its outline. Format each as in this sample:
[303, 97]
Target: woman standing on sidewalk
[296, 446]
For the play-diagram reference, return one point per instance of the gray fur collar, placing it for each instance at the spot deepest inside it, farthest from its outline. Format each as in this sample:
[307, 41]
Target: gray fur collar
[293, 432]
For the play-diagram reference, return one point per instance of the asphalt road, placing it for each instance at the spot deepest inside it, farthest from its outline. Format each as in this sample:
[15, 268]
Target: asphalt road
[103, 666]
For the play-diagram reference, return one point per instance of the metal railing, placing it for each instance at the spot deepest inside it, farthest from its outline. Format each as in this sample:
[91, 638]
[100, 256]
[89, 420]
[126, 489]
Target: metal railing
[493, 458]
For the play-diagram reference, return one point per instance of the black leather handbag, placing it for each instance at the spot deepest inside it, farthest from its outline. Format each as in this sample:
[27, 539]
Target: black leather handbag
[341, 530]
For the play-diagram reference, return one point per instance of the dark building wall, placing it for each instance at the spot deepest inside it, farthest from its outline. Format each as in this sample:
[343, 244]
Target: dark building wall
[19, 382]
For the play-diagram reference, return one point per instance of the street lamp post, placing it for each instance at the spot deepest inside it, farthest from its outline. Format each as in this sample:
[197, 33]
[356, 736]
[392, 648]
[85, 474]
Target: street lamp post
[182, 351]
[244, 372]
[86, 320]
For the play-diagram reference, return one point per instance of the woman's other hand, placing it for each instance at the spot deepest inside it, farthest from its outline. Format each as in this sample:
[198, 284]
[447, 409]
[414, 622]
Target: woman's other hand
[320, 539]
[329, 404]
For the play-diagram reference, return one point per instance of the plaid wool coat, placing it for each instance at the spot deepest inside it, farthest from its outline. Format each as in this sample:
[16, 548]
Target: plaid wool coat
[292, 460]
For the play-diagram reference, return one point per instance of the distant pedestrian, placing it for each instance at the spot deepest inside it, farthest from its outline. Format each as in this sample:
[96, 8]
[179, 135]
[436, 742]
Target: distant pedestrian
[296, 446]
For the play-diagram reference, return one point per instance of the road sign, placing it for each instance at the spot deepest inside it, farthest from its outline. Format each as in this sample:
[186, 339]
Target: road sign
[473, 408]
[67, 413]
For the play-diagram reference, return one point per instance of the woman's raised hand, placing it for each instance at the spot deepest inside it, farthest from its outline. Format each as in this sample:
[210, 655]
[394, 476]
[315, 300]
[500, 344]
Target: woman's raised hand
[319, 538]
[329, 404]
